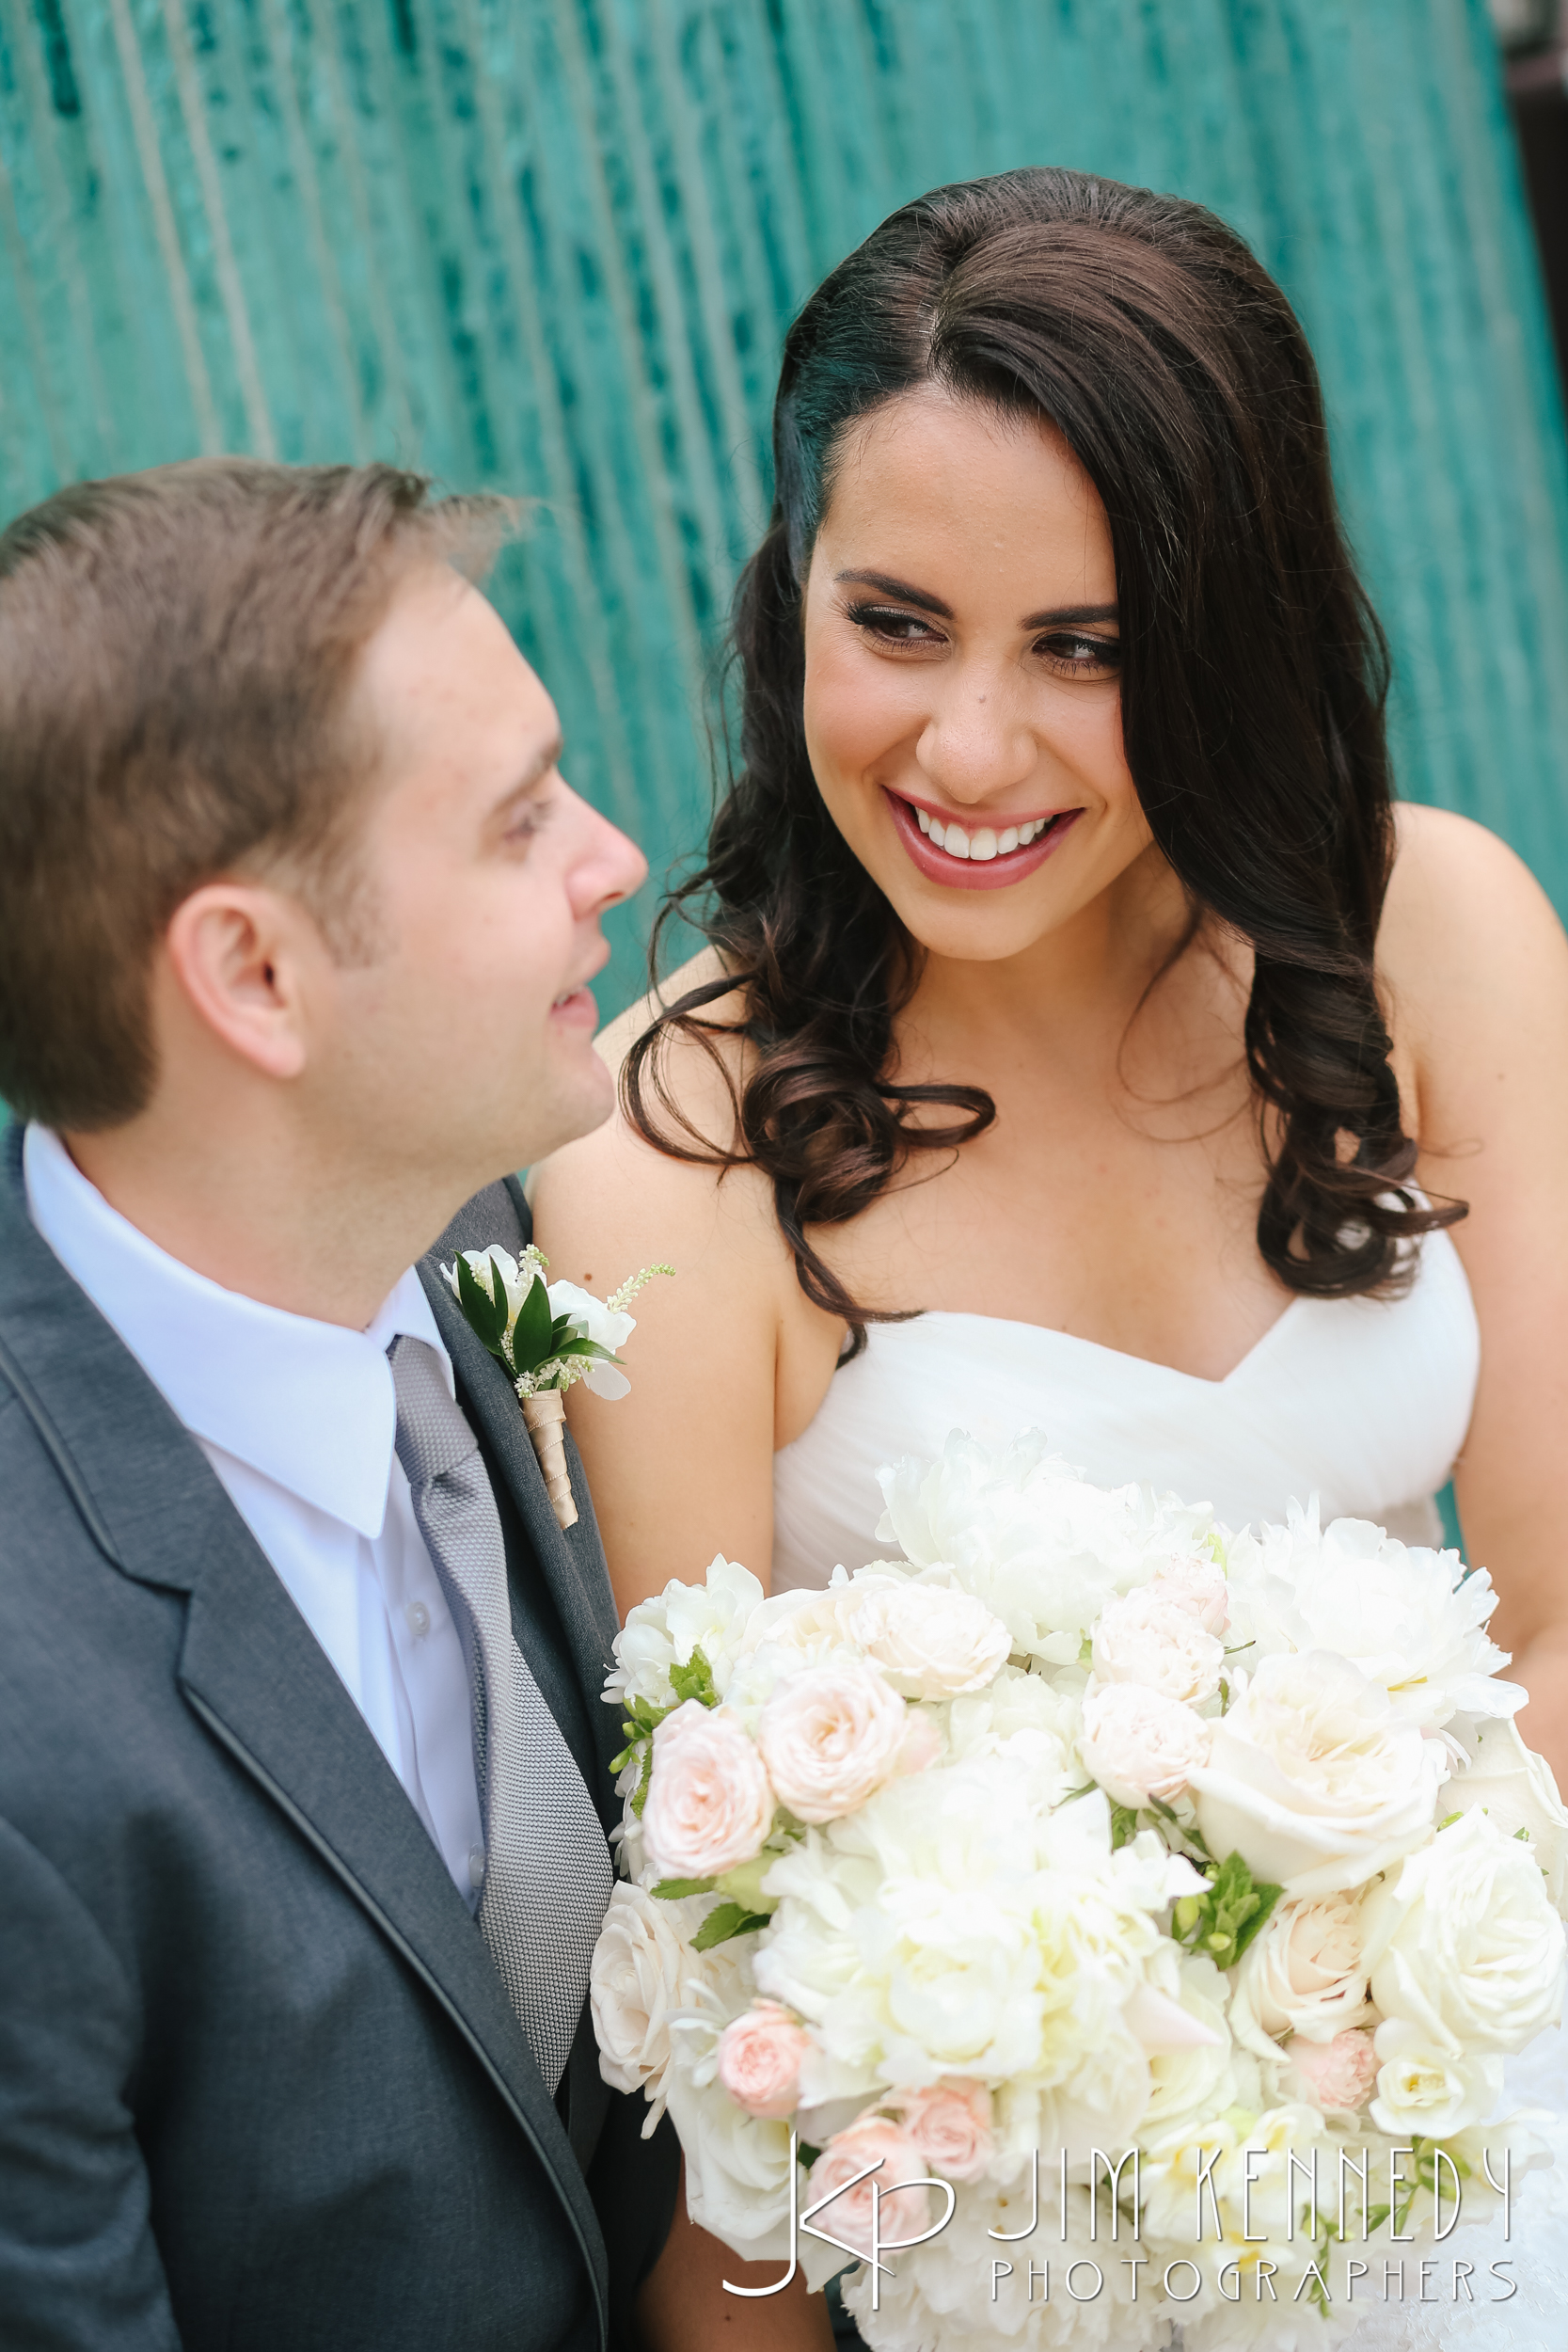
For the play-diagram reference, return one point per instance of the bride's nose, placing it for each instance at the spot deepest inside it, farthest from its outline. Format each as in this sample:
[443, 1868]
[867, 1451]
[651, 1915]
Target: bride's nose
[976, 745]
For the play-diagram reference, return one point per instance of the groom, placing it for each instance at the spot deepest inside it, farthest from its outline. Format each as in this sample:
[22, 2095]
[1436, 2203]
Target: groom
[303, 1795]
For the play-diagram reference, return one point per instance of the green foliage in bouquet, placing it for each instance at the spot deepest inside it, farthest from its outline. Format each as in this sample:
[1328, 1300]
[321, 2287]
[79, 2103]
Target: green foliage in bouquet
[1223, 1922]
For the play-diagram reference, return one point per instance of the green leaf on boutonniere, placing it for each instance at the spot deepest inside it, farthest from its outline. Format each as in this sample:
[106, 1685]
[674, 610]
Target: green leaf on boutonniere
[724, 1920]
[673, 1890]
[530, 1343]
[486, 1316]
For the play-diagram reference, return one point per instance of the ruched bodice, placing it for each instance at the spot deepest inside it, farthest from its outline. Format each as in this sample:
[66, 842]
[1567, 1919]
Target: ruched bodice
[1362, 1402]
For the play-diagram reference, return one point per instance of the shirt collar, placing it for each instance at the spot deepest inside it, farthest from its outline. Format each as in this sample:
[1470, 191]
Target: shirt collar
[310, 1405]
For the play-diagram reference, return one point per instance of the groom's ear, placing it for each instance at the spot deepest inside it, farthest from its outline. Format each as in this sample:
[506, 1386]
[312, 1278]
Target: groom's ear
[238, 958]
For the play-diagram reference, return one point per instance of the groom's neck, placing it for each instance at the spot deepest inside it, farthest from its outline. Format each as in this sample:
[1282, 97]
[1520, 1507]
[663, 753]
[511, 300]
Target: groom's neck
[319, 1224]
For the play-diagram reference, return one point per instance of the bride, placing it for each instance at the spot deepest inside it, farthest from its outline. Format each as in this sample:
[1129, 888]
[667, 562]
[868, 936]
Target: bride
[1083, 1041]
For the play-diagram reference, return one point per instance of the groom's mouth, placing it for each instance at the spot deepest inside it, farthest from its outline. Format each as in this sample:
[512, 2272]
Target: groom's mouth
[575, 1008]
[979, 857]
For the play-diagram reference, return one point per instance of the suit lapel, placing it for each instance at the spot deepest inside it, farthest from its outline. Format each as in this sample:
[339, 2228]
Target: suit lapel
[249, 1665]
[572, 1561]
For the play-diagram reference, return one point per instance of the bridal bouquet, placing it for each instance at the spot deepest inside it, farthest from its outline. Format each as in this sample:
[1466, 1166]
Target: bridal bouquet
[1090, 1921]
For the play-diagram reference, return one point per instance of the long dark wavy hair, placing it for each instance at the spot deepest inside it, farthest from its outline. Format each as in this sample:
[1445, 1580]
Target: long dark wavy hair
[1253, 677]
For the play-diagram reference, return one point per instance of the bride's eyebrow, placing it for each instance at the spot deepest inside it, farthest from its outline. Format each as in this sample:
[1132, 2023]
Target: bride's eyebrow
[1057, 617]
[901, 589]
[1070, 615]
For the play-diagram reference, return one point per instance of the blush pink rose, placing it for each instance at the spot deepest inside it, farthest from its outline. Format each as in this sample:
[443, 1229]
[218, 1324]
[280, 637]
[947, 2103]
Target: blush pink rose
[759, 2060]
[1338, 2074]
[949, 2123]
[1149, 1638]
[920, 1746]
[710, 1805]
[870, 2140]
[1199, 1587]
[1139, 1743]
[829, 1737]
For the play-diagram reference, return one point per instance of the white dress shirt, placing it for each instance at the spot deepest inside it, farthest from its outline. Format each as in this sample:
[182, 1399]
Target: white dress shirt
[298, 1419]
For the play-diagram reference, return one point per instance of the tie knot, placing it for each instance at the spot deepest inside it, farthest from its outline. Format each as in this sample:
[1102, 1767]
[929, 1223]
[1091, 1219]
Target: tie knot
[433, 1435]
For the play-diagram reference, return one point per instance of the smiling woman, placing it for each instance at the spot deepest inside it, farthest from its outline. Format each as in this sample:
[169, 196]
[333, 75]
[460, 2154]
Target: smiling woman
[1080, 1041]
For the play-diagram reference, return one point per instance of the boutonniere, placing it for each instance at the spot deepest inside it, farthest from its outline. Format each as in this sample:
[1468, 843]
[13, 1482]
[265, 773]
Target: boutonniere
[546, 1337]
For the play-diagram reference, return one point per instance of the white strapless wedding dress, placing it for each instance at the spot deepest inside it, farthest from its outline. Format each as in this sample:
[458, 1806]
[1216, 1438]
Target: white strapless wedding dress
[1362, 1402]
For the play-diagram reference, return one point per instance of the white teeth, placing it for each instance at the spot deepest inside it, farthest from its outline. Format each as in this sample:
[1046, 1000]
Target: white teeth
[938, 832]
[982, 845]
[1006, 840]
[923, 815]
[957, 843]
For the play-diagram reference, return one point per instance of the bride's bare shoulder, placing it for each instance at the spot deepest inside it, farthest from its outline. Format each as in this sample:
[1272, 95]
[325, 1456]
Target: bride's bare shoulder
[615, 1192]
[617, 1037]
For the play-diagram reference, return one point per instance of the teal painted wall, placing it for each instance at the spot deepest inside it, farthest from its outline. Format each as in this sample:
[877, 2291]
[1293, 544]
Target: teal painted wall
[553, 244]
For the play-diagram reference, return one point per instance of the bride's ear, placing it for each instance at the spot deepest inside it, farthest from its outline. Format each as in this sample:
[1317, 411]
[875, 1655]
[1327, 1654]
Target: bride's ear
[237, 956]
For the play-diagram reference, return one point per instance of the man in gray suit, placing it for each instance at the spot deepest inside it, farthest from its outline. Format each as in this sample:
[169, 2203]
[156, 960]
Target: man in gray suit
[302, 1786]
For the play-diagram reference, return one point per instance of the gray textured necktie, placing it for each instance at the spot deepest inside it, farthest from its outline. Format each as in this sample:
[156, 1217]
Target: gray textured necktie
[548, 1874]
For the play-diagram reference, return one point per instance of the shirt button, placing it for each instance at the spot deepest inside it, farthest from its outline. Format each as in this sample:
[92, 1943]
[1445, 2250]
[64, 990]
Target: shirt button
[419, 1619]
[476, 1866]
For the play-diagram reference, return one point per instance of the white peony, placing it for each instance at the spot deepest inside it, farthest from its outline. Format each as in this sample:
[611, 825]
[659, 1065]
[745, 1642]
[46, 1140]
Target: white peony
[1463, 1940]
[931, 1642]
[1147, 1638]
[1518, 1792]
[1306, 1973]
[644, 1969]
[663, 1632]
[1429, 2089]
[1314, 1779]
[1027, 1534]
[1412, 1619]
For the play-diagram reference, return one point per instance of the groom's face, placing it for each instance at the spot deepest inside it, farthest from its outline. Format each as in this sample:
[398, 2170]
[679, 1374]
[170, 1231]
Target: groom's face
[462, 1035]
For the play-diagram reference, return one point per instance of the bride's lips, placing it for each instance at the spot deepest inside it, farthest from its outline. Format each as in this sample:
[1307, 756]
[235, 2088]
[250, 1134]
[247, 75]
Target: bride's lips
[969, 874]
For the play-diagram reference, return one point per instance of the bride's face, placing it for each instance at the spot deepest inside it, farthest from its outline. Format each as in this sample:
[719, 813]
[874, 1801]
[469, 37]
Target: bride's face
[963, 710]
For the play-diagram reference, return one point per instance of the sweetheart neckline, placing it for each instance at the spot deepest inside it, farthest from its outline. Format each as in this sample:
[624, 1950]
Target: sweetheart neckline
[1119, 1355]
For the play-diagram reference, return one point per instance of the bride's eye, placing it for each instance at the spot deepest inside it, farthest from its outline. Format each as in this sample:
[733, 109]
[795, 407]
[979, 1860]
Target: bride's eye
[1073, 654]
[893, 624]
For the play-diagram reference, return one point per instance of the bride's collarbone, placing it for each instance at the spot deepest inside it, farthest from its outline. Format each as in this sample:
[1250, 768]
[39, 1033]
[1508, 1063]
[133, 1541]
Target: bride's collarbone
[1159, 1263]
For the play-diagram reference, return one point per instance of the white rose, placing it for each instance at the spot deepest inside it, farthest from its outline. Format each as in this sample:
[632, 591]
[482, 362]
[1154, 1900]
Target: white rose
[1313, 1779]
[1304, 1973]
[931, 1642]
[1147, 1638]
[1463, 1942]
[1428, 2090]
[1199, 1585]
[604, 1326]
[1516, 1788]
[736, 2164]
[643, 1967]
[1139, 1745]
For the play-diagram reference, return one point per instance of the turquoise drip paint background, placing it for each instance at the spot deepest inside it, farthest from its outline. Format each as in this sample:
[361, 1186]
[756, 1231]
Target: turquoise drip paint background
[552, 246]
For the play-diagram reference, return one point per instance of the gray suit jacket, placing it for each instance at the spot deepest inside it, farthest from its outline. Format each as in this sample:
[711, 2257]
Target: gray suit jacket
[260, 2084]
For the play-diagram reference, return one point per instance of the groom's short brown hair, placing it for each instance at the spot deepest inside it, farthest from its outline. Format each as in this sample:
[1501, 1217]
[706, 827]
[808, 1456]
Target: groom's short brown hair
[175, 648]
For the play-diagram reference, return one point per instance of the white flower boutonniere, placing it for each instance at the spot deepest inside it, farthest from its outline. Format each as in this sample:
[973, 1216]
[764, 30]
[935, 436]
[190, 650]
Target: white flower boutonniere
[546, 1337]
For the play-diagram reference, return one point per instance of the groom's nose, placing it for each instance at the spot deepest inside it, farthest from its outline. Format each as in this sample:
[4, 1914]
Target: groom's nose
[607, 868]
